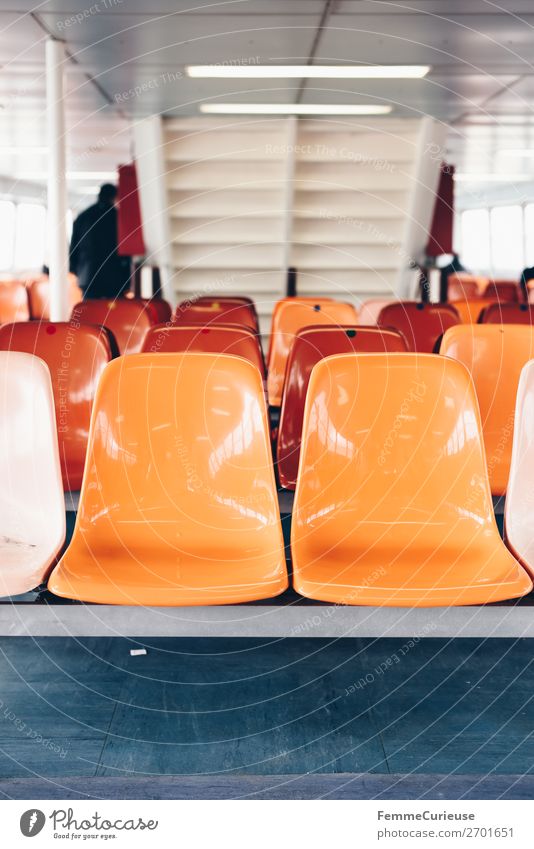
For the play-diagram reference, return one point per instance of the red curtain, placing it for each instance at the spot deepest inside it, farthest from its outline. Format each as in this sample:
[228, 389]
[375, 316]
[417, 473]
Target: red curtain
[440, 237]
[129, 213]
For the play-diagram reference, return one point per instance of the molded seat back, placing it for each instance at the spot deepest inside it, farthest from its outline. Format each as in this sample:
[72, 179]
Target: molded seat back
[470, 311]
[39, 296]
[218, 312]
[370, 310]
[178, 503]
[231, 300]
[288, 319]
[520, 492]
[507, 314]
[218, 339]
[393, 505]
[13, 301]
[311, 345]
[462, 286]
[494, 355]
[421, 324]
[506, 291]
[32, 509]
[76, 356]
[128, 319]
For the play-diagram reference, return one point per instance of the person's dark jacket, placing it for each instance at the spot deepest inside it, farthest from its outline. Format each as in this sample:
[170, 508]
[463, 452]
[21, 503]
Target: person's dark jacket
[101, 272]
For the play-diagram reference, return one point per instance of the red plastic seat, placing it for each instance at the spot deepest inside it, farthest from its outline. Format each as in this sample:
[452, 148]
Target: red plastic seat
[76, 356]
[128, 319]
[218, 312]
[462, 286]
[232, 300]
[311, 345]
[507, 314]
[288, 319]
[13, 301]
[217, 339]
[421, 324]
[506, 291]
[161, 309]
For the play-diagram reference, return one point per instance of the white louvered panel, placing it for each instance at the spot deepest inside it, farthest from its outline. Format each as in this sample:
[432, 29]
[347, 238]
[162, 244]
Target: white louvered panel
[220, 203]
[226, 230]
[251, 255]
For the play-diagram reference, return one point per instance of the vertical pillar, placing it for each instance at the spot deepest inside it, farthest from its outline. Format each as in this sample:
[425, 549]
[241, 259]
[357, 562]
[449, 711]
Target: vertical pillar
[57, 184]
[289, 194]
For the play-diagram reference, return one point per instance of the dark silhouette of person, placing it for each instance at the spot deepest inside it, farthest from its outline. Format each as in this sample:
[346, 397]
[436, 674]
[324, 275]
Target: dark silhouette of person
[94, 256]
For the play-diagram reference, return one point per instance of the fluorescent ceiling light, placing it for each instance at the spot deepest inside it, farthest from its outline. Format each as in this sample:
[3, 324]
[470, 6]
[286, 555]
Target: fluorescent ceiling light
[293, 109]
[332, 72]
[493, 178]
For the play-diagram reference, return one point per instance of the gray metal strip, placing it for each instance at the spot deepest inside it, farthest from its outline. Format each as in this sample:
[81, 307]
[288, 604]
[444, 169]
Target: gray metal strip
[328, 621]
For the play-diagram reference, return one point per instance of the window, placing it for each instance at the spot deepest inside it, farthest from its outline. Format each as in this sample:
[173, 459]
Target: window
[30, 236]
[507, 239]
[475, 236]
[529, 234]
[7, 229]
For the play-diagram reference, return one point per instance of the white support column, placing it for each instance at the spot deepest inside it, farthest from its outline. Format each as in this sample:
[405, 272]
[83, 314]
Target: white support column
[151, 176]
[57, 183]
[289, 195]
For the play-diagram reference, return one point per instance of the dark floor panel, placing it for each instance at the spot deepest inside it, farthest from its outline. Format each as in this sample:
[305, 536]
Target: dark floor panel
[260, 707]
[341, 786]
[49, 757]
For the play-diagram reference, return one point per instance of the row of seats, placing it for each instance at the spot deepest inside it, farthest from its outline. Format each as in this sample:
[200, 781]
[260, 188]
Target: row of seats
[304, 333]
[462, 286]
[179, 507]
[22, 300]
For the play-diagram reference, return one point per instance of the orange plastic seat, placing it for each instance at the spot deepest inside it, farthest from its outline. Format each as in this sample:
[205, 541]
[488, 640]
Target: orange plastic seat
[371, 309]
[32, 508]
[218, 312]
[462, 286]
[178, 504]
[217, 339]
[393, 505]
[311, 345]
[76, 356]
[470, 311]
[13, 301]
[290, 317]
[128, 319]
[507, 314]
[279, 305]
[39, 296]
[421, 324]
[495, 355]
[502, 290]
[518, 506]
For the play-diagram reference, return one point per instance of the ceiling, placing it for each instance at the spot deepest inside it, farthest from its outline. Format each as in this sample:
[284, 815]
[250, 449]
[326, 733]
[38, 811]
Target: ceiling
[481, 81]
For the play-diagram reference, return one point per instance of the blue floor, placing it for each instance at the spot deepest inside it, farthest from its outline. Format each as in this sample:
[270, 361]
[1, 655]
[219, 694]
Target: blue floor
[234, 707]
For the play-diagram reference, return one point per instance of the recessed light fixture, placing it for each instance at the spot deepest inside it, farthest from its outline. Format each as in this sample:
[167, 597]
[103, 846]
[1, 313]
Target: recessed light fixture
[294, 109]
[332, 72]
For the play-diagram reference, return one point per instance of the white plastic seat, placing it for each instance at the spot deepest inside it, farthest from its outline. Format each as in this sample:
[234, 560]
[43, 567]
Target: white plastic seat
[519, 507]
[32, 508]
